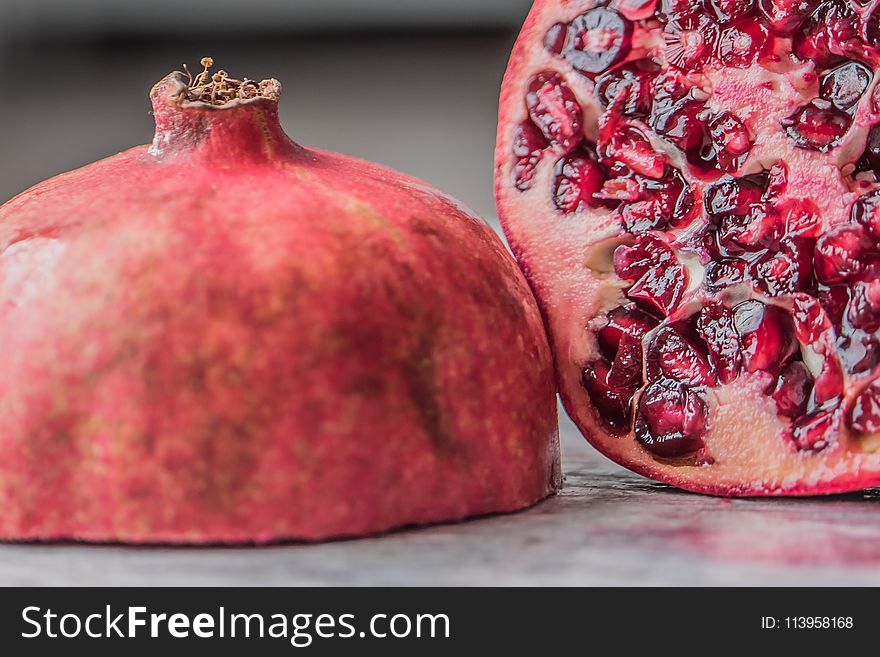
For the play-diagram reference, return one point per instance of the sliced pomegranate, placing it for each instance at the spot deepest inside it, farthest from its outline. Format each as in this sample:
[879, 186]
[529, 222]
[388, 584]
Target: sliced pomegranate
[555, 110]
[577, 178]
[739, 150]
[597, 40]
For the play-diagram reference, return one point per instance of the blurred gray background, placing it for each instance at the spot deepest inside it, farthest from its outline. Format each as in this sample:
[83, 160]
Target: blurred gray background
[412, 84]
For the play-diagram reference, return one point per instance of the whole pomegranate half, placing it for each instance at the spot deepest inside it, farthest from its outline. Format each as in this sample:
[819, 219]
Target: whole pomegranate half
[691, 187]
[227, 337]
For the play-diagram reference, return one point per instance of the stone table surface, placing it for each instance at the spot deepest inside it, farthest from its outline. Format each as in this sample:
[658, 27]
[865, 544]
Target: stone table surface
[607, 527]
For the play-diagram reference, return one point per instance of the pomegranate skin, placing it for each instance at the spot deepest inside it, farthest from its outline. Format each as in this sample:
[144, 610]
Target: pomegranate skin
[750, 450]
[225, 337]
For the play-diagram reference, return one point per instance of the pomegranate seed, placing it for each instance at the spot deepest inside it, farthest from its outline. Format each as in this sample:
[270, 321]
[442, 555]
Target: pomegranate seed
[578, 176]
[845, 85]
[870, 159]
[628, 146]
[810, 319]
[673, 356]
[555, 110]
[528, 148]
[786, 271]
[817, 127]
[734, 195]
[866, 211]
[816, 431]
[715, 325]
[681, 124]
[690, 41]
[829, 383]
[671, 419]
[834, 300]
[628, 87]
[660, 279]
[597, 40]
[741, 44]
[658, 203]
[871, 27]
[626, 371]
[863, 310]
[554, 40]
[783, 17]
[840, 253]
[635, 10]
[721, 274]
[766, 336]
[800, 217]
[864, 416]
[676, 9]
[731, 140]
[859, 351]
[731, 11]
[777, 180]
[623, 320]
[829, 35]
[614, 405]
[792, 389]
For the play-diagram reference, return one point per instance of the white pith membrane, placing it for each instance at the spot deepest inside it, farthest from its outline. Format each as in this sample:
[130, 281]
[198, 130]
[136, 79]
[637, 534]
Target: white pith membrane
[747, 446]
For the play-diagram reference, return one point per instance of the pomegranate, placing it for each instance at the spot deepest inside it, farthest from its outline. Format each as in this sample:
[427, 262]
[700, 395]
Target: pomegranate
[228, 337]
[710, 284]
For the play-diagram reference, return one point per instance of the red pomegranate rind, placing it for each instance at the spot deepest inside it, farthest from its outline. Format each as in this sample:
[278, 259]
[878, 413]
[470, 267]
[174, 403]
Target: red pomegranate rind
[226, 337]
[740, 143]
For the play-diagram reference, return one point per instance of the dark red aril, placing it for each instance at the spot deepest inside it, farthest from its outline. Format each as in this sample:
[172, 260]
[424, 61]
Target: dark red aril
[677, 9]
[730, 11]
[623, 320]
[577, 177]
[864, 415]
[840, 253]
[829, 35]
[721, 274]
[684, 124]
[734, 195]
[671, 419]
[859, 351]
[816, 431]
[777, 181]
[829, 382]
[785, 271]
[659, 279]
[597, 40]
[783, 17]
[766, 336]
[810, 318]
[629, 146]
[554, 39]
[800, 217]
[731, 140]
[870, 159]
[716, 327]
[659, 203]
[691, 41]
[628, 87]
[528, 148]
[845, 85]
[866, 211]
[555, 110]
[740, 44]
[635, 10]
[672, 355]
[791, 391]
[614, 405]
[817, 126]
